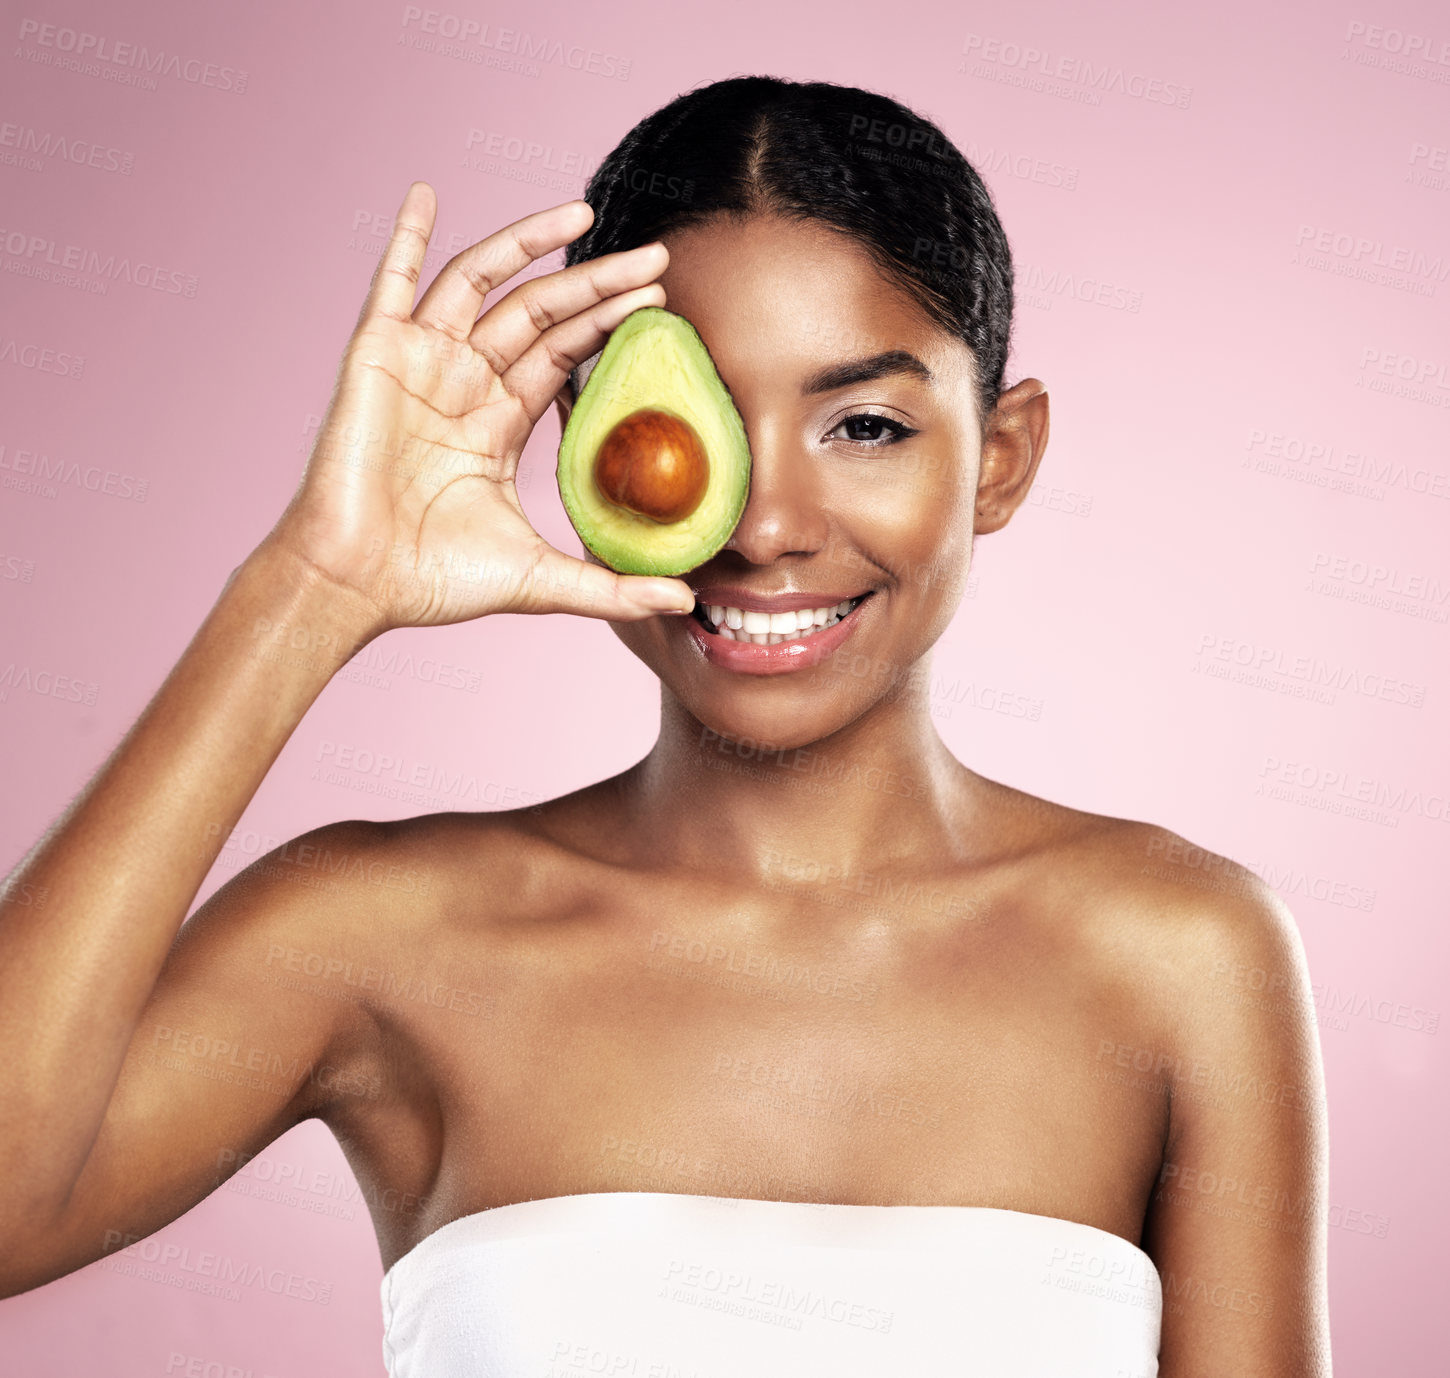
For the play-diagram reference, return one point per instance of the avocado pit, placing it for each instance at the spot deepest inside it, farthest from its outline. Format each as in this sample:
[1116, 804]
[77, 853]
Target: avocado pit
[652, 463]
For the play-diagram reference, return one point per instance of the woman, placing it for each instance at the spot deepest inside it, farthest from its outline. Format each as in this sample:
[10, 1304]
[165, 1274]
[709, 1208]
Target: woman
[804, 1047]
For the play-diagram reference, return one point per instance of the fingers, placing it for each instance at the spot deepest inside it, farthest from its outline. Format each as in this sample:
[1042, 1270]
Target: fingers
[452, 302]
[536, 377]
[395, 281]
[513, 324]
[561, 583]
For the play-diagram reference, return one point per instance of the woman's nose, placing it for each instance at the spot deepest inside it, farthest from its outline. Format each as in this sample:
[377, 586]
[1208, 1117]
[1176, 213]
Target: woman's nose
[785, 511]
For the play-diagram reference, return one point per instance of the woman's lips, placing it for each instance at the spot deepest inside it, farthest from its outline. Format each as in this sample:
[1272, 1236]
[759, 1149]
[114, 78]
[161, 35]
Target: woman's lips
[745, 657]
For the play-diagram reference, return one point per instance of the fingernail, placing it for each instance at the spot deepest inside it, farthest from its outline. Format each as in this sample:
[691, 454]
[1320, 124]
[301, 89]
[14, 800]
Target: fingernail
[665, 600]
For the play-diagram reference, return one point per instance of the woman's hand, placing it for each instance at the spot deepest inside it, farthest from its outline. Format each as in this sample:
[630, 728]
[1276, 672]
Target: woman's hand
[409, 498]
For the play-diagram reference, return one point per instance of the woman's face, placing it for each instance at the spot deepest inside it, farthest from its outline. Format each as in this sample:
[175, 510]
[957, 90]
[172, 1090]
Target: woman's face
[860, 485]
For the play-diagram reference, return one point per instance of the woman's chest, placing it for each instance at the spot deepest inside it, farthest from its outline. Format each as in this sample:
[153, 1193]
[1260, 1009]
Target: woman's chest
[881, 1056]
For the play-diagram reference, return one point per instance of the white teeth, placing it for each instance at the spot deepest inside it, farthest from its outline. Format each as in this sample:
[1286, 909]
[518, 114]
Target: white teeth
[766, 628]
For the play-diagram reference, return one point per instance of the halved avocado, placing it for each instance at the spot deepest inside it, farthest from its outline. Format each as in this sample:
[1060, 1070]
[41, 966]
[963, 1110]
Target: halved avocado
[654, 466]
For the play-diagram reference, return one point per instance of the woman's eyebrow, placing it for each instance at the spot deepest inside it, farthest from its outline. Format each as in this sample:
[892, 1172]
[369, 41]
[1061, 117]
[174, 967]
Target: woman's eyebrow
[865, 370]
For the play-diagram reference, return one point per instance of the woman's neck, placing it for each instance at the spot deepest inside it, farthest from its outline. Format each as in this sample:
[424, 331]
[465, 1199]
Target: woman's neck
[878, 791]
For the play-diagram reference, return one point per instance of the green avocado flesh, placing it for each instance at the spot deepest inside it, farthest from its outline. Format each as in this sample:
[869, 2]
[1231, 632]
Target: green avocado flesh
[654, 363]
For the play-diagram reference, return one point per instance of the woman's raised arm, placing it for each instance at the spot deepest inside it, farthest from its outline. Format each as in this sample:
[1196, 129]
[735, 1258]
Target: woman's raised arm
[407, 515]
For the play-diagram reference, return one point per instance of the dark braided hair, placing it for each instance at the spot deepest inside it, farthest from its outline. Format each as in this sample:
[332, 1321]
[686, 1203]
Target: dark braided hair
[855, 160]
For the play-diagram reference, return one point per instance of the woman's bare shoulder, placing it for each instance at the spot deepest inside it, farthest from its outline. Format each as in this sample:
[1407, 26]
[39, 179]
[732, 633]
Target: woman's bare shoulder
[1196, 930]
[1196, 964]
[433, 866]
[1187, 892]
[1122, 858]
[1139, 887]
[566, 821]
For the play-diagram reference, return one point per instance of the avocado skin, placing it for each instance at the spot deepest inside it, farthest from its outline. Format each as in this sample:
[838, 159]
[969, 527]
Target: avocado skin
[654, 359]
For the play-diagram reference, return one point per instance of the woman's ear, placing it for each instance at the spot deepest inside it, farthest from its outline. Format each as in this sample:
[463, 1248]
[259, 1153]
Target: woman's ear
[1016, 437]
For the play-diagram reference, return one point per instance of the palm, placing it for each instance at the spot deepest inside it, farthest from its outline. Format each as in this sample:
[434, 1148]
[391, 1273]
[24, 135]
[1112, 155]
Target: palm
[446, 534]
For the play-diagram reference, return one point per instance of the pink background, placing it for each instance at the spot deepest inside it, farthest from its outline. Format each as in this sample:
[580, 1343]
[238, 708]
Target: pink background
[1197, 510]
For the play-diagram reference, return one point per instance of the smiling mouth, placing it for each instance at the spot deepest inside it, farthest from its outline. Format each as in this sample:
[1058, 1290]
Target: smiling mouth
[770, 628]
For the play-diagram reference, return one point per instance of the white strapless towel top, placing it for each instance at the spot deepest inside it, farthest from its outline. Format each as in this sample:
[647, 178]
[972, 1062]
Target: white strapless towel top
[637, 1284]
